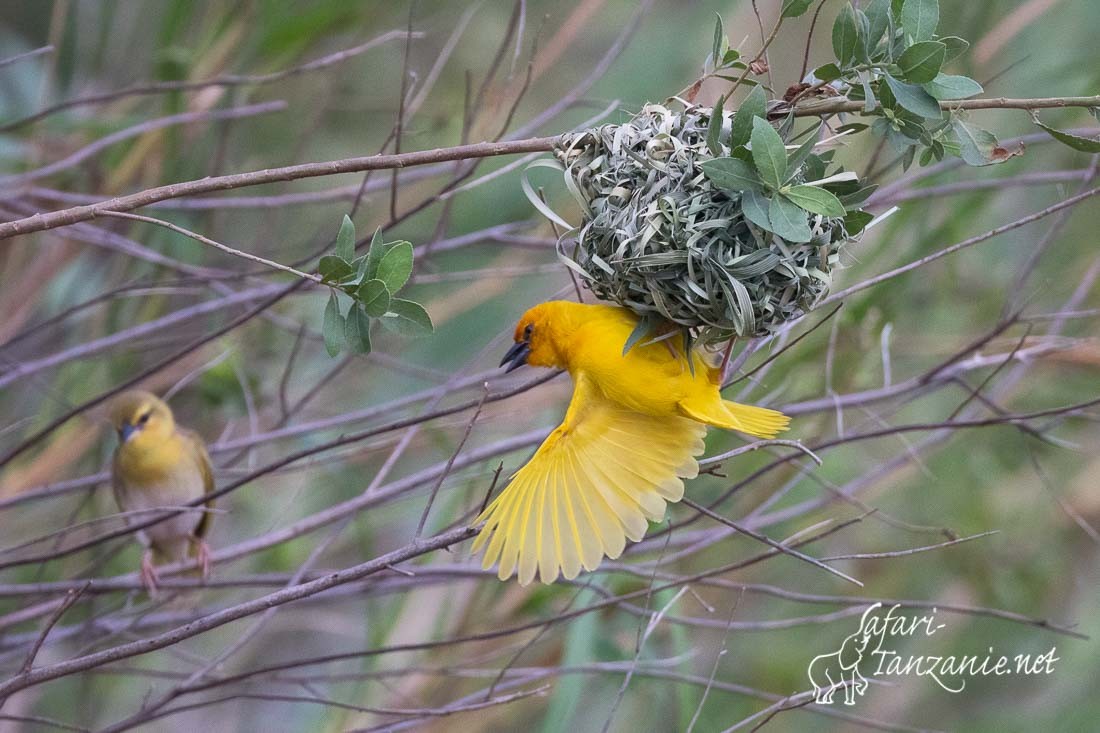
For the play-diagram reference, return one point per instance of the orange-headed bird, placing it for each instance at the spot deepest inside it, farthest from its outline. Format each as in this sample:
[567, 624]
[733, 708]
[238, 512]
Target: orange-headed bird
[631, 434]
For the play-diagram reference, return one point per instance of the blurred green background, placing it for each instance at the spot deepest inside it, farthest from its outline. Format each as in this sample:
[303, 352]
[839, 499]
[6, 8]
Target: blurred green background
[1043, 497]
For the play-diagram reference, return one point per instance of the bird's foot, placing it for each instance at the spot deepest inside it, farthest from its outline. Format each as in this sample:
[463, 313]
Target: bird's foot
[149, 574]
[203, 556]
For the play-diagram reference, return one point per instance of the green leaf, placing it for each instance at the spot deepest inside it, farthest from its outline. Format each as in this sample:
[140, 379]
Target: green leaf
[856, 221]
[359, 264]
[827, 73]
[375, 297]
[332, 327]
[921, 62]
[878, 19]
[731, 174]
[357, 330]
[815, 200]
[768, 153]
[845, 35]
[1084, 144]
[374, 254]
[853, 126]
[408, 319]
[345, 240]
[907, 157]
[919, 18]
[641, 330]
[396, 266]
[754, 205]
[863, 29]
[789, 220]
[868, 93]
[714, 128]
[719, 41]
[800, 156]
[333, 268]
[795, 8]
[914, 98]
[854, 197]
[975, 144]
[949, 86]
[755, 105]
[955, 47]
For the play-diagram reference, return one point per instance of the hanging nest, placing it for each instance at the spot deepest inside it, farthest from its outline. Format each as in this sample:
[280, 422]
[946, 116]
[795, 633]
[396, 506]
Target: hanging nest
[660, 238]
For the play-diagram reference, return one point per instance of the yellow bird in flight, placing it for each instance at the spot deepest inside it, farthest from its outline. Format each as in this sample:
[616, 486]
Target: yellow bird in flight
[634, 426]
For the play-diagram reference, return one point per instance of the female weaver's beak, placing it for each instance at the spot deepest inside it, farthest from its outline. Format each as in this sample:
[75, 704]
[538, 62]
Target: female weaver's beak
[516, 356]
[126, 431]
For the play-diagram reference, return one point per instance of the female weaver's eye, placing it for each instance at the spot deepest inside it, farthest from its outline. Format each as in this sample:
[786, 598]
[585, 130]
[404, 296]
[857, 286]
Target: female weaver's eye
[144, 418]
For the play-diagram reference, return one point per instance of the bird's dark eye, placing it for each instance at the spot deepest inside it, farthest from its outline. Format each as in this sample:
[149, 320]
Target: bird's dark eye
[527, 332]
[144, 418]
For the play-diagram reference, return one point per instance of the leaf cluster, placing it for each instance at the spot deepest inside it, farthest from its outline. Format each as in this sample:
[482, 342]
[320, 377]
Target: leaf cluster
[889, 55]
[372, 281]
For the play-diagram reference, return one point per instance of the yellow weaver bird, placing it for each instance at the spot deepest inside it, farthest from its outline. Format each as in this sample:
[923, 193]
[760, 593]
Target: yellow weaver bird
[634, 426]
[158, 465]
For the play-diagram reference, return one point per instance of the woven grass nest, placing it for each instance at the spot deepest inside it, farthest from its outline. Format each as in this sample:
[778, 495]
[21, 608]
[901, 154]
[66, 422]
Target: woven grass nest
[659, 238]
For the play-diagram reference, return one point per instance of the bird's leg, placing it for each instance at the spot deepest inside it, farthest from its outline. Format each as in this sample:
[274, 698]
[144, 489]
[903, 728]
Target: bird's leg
[202, 555]
[149, 573]
[726, 360]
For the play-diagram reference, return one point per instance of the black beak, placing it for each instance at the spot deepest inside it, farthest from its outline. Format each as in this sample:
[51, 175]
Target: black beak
[516, 356]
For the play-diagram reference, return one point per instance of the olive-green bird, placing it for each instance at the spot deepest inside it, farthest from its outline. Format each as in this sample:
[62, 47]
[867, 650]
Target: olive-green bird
[158, 465]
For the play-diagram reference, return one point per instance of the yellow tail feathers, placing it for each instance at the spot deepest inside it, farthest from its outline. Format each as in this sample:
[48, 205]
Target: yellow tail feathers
[758, 421]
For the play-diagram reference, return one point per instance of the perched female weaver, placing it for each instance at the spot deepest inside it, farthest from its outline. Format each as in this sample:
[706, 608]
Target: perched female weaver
[631, 433]
[156, 466]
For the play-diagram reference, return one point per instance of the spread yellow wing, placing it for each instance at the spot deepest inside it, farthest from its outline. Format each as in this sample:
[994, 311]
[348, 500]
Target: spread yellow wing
[592, 484]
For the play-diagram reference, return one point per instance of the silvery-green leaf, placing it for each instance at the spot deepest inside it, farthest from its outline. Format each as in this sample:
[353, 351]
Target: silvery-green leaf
[714, 128]
[921, 62]
[408, 318]
[396, 266]
[332, 326]
[914, 98]
[754, 205]
[1084, 144]
[333, 268]
[955, 47]
[374, 255]
[878, 18]
[919, 18]
[731, 174]
[755, 105]
[949, 86]
[795, 8]
[641, 330]
[375, 297]
[768, 153]
[788, 220]
[345, 240]
[357, 330]
[815, 200]
[845, 35]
